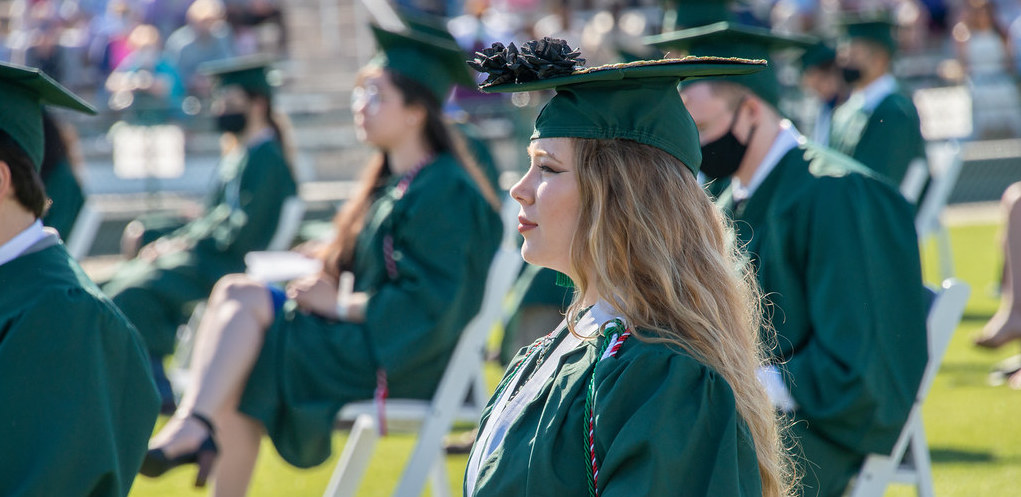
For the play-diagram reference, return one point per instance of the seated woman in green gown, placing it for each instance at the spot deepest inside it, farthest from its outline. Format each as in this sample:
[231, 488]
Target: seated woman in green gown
[648, 387]
[418, 237]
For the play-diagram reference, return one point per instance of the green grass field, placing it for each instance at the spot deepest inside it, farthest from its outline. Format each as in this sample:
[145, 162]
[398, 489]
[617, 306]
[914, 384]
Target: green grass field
[975, 443]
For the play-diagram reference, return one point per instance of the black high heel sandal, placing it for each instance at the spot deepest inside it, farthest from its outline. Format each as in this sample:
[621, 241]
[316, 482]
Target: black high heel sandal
[156, 462]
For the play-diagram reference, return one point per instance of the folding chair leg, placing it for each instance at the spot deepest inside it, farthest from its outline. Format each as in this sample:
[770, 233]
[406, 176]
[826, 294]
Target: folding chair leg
[439, 483]
[946, 257]
[355, 458]
[919, 454]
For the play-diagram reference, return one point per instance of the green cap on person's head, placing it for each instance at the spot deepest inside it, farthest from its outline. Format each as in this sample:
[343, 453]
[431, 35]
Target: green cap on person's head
[817, 55]
[876, 28]
[23, 92]
[726, 39]
[680, 14]
[436, 62]
[251, 72]
[633, 101]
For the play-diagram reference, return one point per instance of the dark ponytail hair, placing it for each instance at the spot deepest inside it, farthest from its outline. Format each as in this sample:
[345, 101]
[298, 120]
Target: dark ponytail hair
[440, 139]
[273, 119]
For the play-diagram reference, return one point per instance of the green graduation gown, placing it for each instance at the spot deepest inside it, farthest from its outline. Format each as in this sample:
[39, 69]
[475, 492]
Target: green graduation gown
[78, 401]
[444, 236]
[885, 140]
[835, 252]
[63, 189]
[666, 424]
[241, 216]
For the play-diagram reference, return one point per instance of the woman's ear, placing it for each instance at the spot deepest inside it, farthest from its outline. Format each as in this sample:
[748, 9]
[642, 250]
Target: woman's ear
[415, 115]
[5, 180]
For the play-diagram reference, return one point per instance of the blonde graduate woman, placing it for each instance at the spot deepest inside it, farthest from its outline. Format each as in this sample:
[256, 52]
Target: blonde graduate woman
[648, 387]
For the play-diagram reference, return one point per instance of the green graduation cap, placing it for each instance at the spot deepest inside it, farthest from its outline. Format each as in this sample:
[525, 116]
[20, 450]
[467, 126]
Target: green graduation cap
[251, 72]
[420, 53]
[23, 92]
[876, 28]
[680, 14]
[818, 55]
[635, 101]
[726, 39]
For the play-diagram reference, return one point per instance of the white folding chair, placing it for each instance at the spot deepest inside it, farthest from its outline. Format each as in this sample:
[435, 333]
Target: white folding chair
[914, 180]
[291, 213]
[945, 165]
[434, 417]
[83, 233]
[909, 462]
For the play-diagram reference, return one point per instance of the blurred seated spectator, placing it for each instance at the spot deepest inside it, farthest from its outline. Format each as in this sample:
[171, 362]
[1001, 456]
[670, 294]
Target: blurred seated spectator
[145, 83]
[985, 52]
[258, 26]
[1005, 325]
[205, 38]
[109, 33]
[44, 50]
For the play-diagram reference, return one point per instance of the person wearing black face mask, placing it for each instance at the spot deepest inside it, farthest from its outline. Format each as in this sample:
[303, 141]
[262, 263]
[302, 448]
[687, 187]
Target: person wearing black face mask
[834, 247]
[877, 125]
[180, 260]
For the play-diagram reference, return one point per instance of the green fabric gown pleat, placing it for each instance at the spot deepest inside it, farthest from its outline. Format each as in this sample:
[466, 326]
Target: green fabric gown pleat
[836, 254]
[885, 140]
[444, 236]
[241, 216]
[63, 189]
[666, 425]
[78, 401]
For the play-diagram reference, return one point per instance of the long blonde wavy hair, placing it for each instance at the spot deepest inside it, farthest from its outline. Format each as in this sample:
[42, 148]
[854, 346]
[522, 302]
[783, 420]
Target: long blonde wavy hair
[666, 258]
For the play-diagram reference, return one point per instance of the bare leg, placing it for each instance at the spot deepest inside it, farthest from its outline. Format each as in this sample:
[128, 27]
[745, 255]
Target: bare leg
[229, 340]
[1005, 325]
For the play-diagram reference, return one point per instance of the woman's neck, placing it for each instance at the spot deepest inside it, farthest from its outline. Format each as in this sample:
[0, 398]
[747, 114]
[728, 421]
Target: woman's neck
[407, 154]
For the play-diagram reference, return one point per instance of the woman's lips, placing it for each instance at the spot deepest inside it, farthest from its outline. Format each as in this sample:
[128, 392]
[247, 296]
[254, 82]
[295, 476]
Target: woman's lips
[524, 224]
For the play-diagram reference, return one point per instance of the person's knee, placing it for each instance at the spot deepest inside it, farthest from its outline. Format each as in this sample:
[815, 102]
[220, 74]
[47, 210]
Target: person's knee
[1011, 199]
[251, 295]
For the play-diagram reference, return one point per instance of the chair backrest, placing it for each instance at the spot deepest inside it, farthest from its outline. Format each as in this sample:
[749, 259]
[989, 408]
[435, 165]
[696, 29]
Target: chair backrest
[466, 361]
[291, 213]
[945, 167]
[944, 316]
[83, 233]
[914, 179]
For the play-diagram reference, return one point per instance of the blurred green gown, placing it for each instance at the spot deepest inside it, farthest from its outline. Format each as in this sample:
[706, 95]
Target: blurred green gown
[444, 236]
[78, 401]
[241, 215]
[835, 252]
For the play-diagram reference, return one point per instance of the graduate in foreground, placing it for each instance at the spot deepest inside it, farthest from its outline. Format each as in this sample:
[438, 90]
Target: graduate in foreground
[78, 402]
[648, 386]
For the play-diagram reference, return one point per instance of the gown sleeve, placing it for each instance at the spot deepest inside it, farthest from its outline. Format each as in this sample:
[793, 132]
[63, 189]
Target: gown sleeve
[79, 402]
[856, 377]
[891, 140]
[247, 223]
[434, 240]
[668, 425]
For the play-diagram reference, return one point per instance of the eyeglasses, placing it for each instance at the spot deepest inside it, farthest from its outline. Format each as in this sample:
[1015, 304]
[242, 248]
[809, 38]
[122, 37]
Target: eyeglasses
[366, 99]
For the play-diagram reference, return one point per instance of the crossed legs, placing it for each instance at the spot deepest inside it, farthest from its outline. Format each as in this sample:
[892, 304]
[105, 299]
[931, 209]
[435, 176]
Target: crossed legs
[228, 343]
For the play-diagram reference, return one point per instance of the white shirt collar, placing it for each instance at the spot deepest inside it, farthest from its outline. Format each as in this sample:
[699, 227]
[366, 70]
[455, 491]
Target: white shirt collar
[786, 139]
[21, 242]
[876, 91]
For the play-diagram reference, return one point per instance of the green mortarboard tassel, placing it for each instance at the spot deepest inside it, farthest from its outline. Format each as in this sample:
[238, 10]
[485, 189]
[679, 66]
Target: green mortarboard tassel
[564, 281]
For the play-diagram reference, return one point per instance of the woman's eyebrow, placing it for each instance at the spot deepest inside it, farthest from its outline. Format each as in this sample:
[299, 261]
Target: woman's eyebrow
[538, 152]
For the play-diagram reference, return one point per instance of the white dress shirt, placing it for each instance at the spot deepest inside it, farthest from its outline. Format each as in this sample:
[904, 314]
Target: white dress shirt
[21, 242]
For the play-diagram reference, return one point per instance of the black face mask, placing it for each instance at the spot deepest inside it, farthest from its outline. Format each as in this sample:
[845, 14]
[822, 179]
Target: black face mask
[722, 157]
[851, 74]
[233, 122]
